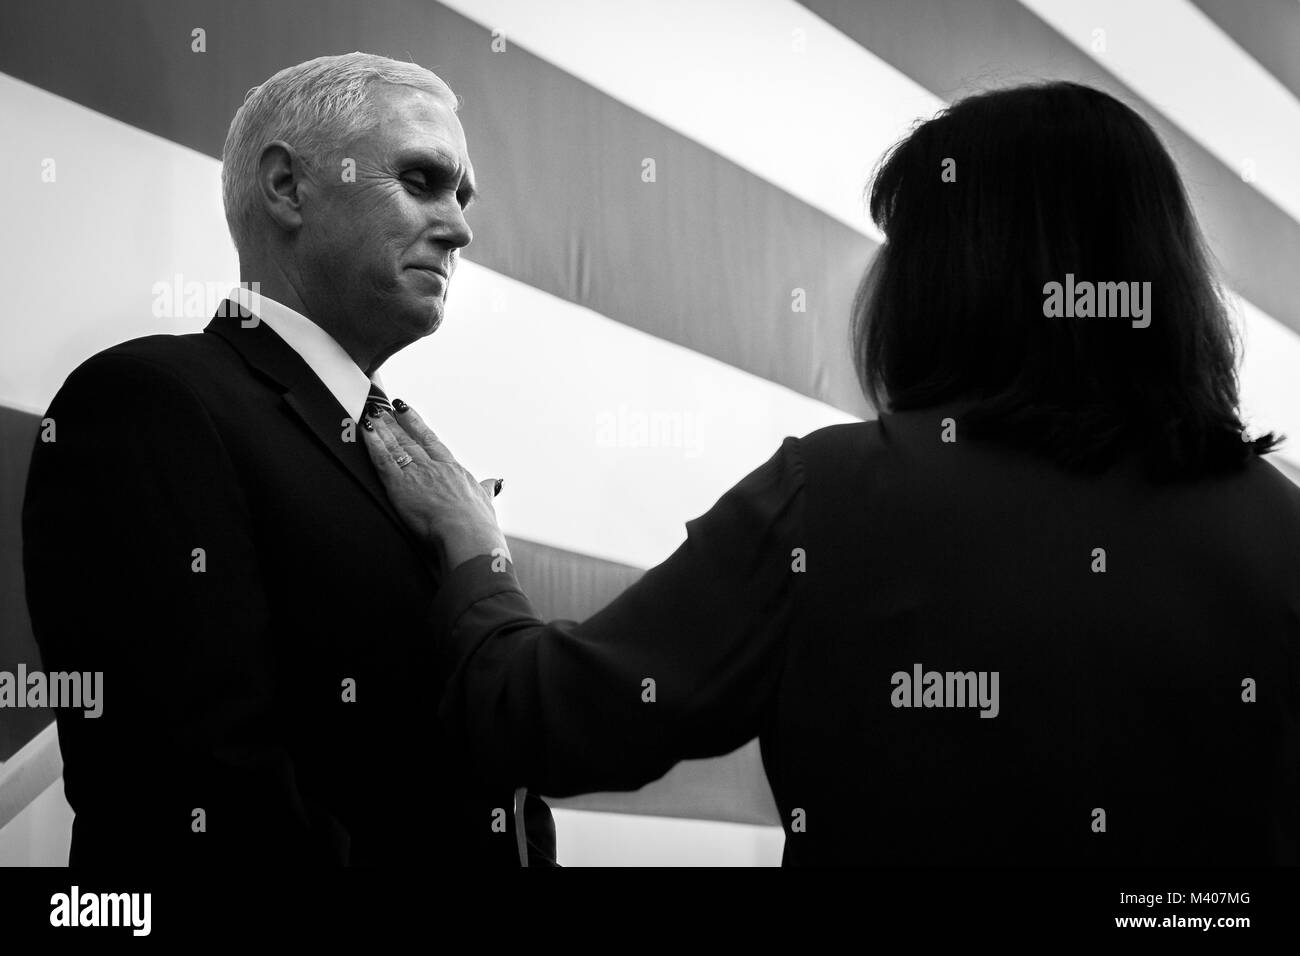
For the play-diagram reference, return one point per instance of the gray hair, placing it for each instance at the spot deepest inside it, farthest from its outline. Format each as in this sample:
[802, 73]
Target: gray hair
[315, 107]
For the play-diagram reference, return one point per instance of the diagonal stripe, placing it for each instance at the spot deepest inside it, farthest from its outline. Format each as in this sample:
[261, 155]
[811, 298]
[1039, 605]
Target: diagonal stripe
[1267, 29]
[620, 51]
[719, 260]
[34, 207]
[609, 438]
[1270, 377]
[977, 44]
[736, 280]
[601, 839]
[624, 61]
[765, 83]
[1203, 81]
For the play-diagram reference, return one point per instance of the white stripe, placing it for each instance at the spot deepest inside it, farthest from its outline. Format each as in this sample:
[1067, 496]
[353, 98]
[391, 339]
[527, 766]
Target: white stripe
[82, 254]
[1181, 63]
[1270, 377]
[609, 439]
[584, 838]
[29, 773]
[723, 77]
[522, 385]
[765, 83]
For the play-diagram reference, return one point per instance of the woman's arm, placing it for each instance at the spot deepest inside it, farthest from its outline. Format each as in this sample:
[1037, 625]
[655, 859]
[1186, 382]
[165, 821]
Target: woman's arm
[683, 664]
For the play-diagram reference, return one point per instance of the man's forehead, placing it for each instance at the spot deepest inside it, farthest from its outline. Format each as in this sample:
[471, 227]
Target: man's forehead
[410, 117]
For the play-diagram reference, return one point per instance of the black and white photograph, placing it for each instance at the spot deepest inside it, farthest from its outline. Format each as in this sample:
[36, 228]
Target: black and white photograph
[447, 437]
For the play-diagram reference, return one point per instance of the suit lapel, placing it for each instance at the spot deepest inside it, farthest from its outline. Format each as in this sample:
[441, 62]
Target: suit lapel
[307, 396]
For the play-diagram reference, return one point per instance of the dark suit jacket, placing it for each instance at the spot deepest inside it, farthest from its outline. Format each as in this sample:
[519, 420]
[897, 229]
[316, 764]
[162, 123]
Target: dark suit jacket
[224, 688]
[862, 552]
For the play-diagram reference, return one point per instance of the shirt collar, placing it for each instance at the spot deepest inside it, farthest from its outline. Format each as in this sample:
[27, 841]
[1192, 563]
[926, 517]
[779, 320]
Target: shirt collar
[331, 363]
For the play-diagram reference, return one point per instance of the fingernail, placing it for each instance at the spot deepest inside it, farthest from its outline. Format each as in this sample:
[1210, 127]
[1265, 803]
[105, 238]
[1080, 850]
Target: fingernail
[365, 423]
[497, 490]
[400, 405]
[372, 410]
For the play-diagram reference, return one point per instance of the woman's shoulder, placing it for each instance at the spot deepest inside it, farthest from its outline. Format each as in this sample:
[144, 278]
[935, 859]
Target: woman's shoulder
[874, 441]
[921, 451]
[840, 439]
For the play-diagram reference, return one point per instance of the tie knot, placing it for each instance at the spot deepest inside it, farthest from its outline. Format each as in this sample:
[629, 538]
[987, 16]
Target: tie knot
[377, 397]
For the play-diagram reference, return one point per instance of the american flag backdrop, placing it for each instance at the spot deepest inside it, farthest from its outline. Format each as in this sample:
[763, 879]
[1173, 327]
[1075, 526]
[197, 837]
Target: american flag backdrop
[670, 232]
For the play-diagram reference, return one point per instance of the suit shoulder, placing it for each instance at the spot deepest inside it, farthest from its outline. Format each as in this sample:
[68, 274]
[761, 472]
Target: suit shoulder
[190, 358]
[194, 350]
[186, 368]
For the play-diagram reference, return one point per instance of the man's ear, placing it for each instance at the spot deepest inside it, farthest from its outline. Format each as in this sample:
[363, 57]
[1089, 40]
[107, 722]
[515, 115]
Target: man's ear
[280, 178]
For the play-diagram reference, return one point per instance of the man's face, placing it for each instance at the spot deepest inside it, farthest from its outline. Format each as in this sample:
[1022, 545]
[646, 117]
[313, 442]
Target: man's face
[376, 254]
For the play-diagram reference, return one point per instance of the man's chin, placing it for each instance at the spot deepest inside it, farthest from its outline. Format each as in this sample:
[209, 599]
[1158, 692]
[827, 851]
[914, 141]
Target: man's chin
[413, 319]
[429, 320]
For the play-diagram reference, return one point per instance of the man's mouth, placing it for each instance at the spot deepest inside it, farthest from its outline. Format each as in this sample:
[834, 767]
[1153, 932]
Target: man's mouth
[435, 277]
[436, 270]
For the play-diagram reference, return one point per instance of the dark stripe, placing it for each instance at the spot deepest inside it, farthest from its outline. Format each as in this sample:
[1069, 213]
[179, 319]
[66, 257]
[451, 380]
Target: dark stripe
[567, 584]
[734, 788]
[708, 256]
[1269, 30]
[18, 430]
[956, 47]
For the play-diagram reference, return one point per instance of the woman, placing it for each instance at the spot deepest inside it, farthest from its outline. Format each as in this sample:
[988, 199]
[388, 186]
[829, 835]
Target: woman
[1046, 609]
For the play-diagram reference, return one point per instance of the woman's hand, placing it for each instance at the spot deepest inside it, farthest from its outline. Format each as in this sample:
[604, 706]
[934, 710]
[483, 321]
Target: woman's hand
[438, 499]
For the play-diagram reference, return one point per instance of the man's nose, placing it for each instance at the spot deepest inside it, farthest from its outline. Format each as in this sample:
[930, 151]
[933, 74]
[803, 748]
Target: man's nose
[451, 228]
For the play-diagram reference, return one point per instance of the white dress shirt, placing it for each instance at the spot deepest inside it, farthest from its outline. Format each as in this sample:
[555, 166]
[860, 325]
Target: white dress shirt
[331, 363]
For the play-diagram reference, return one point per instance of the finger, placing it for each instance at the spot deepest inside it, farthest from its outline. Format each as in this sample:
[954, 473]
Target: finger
[492, 486]
[382, 445]
[416, 427]
[398, 443]
[406, 442]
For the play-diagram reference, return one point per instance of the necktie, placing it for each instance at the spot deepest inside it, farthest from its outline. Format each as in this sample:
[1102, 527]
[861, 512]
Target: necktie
[377, 397]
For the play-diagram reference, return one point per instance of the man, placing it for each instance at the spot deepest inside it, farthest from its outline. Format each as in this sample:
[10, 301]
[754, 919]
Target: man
[200, 529]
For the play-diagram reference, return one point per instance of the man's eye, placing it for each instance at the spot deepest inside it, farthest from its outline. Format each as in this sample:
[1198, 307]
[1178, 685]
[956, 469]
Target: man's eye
[416, 181]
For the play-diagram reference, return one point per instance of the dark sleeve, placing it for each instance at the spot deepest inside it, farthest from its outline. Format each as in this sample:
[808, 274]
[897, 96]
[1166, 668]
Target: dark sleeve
[138, 478]
[683, 664]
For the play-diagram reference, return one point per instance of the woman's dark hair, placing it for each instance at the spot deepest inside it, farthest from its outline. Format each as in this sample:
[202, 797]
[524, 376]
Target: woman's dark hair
[982, 207]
